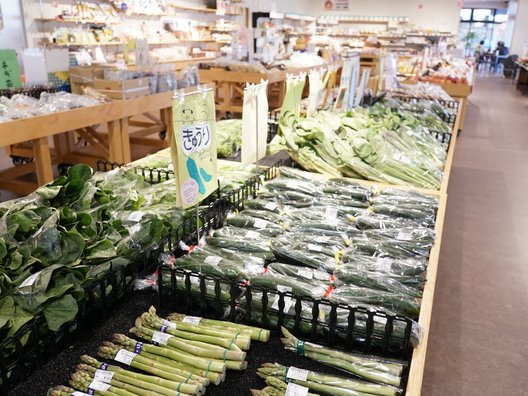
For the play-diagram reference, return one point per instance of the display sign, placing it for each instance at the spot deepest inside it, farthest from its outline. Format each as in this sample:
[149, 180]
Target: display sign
[193, 147]
[336, 5]
[9, 70]
[254, 123]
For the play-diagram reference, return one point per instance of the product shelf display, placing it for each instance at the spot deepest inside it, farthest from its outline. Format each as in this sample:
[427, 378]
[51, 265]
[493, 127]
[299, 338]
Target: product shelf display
[225, 199]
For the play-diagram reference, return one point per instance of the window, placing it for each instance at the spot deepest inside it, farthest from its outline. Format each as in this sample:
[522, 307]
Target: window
[465, 14]
[483, 14]
[481, 24]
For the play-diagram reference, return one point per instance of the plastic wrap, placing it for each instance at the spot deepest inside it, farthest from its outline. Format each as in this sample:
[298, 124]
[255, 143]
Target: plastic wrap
[392, 303]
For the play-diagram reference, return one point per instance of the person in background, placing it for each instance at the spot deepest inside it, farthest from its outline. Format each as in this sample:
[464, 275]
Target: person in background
[479, 53]
[501, 53]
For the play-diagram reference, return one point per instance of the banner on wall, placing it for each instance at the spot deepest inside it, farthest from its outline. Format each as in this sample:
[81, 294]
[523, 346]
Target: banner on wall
[336, 5]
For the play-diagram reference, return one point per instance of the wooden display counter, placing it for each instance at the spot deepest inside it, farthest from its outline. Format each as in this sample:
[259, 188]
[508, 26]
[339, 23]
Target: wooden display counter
[116, 118]
[230, 86]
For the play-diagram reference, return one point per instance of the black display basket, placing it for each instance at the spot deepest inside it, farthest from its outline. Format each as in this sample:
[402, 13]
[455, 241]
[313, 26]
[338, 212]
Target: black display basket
[448, 118]
[214, 297]
[33, 344]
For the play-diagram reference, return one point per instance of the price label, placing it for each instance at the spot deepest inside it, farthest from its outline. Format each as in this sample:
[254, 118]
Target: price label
[404, 235]
[305, 273]
[192, 320]
[195, 137]
[314, 248]
[271, 206]
[161, 338]
[322, 275]
[260, 223]
[169, 324]
[296, 390]
[124, 356]
[384, 264]
[213, 260]
[97, 385]
[77, 393]
[252, 235]
[297, 374]
[331, 213]
[322, 239]
[136, 216]
[103, 375]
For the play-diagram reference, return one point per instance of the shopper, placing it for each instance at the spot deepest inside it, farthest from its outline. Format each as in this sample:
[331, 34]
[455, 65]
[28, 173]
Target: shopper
[501, 53]
[480, 53]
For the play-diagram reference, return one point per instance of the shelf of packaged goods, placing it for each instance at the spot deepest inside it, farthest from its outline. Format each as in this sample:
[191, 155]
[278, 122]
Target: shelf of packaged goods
[109, 44]
[113, 145]
[201, 9]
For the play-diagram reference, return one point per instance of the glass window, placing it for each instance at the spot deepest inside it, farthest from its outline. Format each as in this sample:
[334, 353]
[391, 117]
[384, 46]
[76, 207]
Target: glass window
[465, 14]
[501, 16]
[483, 14]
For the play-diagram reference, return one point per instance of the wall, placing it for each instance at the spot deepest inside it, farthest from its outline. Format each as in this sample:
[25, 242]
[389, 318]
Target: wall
[441, 15]
[12, 36]
[519, 25]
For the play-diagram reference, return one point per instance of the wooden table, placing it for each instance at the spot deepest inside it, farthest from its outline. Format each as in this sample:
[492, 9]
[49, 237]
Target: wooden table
[114, 146]
[230, 87]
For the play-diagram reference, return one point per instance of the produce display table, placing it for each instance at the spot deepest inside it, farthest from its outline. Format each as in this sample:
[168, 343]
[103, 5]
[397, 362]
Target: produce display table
[115, 146]
[230, 86]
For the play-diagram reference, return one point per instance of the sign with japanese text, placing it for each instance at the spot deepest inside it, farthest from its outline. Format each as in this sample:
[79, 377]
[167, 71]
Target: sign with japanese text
[9, 70]
[336, 5]
[193, 147]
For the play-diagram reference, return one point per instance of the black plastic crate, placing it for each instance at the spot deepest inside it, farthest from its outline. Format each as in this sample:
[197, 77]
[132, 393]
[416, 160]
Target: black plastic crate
[34, 344]
[151, 175]
[449, 119]
[351, 328]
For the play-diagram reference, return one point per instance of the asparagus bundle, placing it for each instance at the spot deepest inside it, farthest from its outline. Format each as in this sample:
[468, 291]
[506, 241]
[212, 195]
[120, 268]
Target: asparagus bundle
[207, 364]
[111, 351]
[276, 387]
[384, 373]
[179, 346]
[84, 383]
[153, 383]
[61, 390]
[225, 338]
[326, 384]
[256, 333]
[120, 387]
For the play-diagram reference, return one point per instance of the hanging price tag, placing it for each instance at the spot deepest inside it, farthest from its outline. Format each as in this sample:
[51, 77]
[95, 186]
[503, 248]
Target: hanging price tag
[124, 356]
[297, 374]
[77, 393]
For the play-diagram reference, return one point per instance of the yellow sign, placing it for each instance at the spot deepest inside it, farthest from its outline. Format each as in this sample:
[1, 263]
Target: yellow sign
[193, 147]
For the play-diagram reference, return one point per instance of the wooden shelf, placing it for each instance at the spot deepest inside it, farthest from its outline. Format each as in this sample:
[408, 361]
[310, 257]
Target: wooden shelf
[200, 9]
[197, 40]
